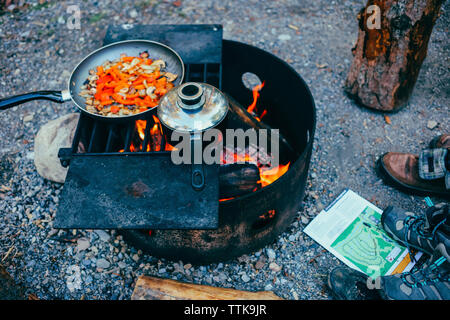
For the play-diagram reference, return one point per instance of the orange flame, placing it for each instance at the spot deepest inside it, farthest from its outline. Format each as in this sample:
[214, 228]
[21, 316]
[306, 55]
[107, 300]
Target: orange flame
[268, 176]
[255, 92]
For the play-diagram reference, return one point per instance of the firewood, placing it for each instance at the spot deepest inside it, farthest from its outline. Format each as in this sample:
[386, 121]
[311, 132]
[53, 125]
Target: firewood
[238, 179]
[240, 117]
[150, 288]
[9, 290]
[388, 56]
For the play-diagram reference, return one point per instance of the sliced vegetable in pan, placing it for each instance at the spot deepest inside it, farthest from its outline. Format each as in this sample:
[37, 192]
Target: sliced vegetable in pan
[126, 86]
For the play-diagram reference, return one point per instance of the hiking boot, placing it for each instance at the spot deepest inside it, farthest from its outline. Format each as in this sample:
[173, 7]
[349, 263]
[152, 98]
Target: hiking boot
[349, 284]
[442, 141]
[430, 282]
[424, 174]
[422, 232]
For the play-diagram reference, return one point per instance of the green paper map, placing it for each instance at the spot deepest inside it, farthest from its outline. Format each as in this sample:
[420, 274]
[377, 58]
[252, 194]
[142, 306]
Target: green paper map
[364, 243]
[350, 228]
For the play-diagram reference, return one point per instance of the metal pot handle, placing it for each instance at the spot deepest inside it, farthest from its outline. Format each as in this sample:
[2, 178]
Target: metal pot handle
[55, 96]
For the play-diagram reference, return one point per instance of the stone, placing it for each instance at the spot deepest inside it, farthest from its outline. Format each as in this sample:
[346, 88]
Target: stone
[51, 137]
[82, 244]
[245, 278]
[274, 267]
[133, 13]
[103, 263]
[103, 235]
[271, 254]
[431, 124]
[260, 263]
[268, 287]
[284, 37]
[28, 118]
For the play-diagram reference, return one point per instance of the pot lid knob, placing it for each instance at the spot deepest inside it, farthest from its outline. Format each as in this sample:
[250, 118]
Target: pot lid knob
[192, 107]
[190, 96]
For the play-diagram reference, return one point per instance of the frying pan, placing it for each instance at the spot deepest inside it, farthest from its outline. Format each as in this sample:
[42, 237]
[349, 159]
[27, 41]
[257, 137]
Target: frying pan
[156, 50]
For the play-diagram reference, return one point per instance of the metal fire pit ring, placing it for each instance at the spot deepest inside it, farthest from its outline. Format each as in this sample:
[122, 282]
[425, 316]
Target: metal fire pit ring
[252, 221]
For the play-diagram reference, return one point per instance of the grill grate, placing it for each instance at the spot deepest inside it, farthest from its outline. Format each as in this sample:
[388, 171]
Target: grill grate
[202, 64]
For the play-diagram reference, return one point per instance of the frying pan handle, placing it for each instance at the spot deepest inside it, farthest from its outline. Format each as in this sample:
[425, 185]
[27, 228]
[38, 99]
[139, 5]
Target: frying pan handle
[55, 96]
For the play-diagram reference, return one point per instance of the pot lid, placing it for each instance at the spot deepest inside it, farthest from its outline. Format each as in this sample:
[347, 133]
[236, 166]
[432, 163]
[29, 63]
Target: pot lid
[192, 107]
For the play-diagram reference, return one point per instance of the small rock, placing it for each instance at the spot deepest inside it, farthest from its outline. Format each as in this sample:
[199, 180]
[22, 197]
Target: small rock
[135, 257]
[245, 278]
[187, 266]
[103, 263]
[28, 118]
[274, 267]
[133, 13]
[268, 287]
[243, 259]
[431, 124]
[103, 235]
[284, 37]
[260, 263]
[51, 137]
[122, 265]
[271, 254]
[83, 244]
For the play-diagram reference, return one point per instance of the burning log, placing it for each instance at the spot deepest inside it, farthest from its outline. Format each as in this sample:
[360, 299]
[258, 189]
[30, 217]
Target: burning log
[150, 288]
[238, 179]
[242, 118]
[389, 53]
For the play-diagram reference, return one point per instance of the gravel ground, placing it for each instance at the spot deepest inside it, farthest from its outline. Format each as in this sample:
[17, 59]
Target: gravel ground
[39, 51]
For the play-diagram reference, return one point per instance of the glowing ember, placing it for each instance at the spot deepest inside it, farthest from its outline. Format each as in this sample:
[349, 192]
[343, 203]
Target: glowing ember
[268, 215]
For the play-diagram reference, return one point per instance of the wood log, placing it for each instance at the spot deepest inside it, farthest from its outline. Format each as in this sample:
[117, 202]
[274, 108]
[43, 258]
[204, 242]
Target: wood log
[238, 179]
[150, 288]
[240, 117]
[387, 59]
[9, 290]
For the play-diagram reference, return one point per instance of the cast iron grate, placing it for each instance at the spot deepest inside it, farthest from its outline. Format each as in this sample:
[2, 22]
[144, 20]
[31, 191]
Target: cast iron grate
[100, 148]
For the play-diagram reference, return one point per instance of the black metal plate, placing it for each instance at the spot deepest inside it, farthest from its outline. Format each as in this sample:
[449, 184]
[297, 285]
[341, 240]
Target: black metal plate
[196, 44]
[136, 191]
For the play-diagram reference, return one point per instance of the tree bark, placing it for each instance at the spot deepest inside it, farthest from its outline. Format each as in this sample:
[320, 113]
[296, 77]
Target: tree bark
[150, 288]
[387, 60]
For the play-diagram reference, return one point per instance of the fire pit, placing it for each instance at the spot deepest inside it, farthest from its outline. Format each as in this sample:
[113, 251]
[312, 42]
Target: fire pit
[260, 211]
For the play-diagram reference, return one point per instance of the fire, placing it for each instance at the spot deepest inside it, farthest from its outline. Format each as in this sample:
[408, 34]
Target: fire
[140, 127]
[270, 175]
[255, 91]
[155, 143]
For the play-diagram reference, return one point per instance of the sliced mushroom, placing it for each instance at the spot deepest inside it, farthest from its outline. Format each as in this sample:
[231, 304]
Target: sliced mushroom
[150, 90]
[170, 76]
[123, 90]
[159, 63]
[135, 61]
